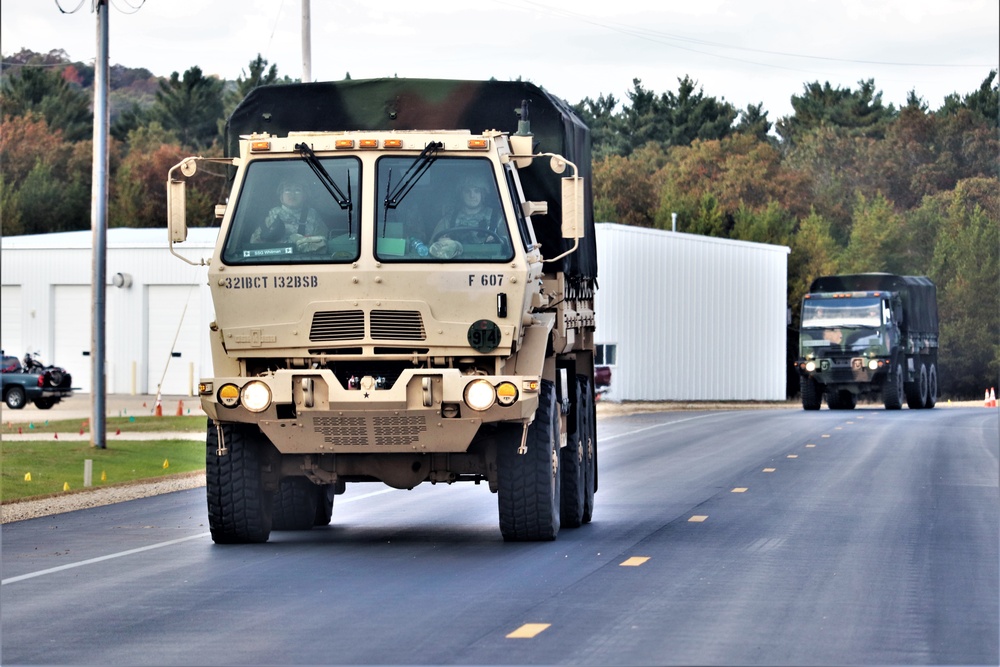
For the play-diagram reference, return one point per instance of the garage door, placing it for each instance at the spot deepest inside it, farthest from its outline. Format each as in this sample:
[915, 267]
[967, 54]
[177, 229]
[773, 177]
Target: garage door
[71, 304]
[174, 313]
[10, 321]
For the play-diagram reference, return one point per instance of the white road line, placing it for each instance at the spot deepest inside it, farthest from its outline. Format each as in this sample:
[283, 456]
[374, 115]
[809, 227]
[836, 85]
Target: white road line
[91, 561]
[120, 554]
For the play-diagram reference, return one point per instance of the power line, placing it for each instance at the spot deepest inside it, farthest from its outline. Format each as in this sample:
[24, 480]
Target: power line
[665, 38]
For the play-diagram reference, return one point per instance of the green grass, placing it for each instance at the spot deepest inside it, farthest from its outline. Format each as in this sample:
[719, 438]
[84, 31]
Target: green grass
[53, 464]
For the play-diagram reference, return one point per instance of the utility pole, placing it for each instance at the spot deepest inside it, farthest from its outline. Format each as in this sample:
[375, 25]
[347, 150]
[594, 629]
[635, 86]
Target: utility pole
[306, 43]
[99, 227]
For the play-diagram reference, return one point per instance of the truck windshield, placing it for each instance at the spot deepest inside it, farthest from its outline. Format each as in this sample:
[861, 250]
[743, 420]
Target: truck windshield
[860, 312]
[285, 215]
[452, 213]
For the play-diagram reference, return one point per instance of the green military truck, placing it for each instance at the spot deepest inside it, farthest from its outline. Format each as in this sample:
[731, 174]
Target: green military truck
[870, 334]
[404, 288]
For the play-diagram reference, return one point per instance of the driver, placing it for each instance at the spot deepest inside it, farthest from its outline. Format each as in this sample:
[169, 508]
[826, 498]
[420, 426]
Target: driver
[471, 214]
[292, 222]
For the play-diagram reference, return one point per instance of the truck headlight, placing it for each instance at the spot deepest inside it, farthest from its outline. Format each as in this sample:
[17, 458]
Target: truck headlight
[873, 364]
[480, 395]
[810, 366]
[255, 396]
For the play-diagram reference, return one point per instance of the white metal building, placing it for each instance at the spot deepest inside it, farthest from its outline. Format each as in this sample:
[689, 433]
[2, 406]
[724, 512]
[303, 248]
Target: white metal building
[690, 318]
[157, 307]
[679, 316]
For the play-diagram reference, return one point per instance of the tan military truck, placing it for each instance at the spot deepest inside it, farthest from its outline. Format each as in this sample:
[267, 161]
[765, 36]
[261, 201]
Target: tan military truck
[404, 292]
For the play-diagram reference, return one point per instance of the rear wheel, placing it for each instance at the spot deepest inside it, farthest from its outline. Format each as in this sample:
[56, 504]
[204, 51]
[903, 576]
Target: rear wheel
[916, 392]
[812, 394]
[324, 509]
[529, 483]
[239, 509]
[588, 438]
[295, 504]
[892, 388]
[932, 386]
[573, 464]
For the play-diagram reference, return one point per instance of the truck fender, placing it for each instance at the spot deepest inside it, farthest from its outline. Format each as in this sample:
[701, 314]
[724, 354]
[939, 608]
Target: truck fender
[534, 345]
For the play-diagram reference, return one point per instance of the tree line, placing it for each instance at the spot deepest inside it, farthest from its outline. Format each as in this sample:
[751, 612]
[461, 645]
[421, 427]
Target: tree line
[849, 183]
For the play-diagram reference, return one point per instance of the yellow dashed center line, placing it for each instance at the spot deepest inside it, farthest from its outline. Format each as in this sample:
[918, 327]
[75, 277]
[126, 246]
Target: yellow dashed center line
[697, 518]
[634, 561]
[740, 489]
[810, 445]
[769, 469]
[825, 435]
[528, 630]
[793, 456]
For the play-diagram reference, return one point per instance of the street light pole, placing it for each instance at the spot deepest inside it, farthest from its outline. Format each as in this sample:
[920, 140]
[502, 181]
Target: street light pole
[99, 227]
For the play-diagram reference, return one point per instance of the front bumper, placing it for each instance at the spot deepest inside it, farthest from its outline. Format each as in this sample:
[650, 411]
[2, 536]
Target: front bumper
[310, 412]
[845, 370]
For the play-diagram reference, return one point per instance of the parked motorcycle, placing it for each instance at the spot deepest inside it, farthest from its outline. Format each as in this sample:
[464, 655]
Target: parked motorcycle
[53, 375]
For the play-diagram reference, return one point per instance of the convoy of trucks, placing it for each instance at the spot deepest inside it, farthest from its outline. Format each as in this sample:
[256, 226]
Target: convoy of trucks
[870, 334]
[392, 332]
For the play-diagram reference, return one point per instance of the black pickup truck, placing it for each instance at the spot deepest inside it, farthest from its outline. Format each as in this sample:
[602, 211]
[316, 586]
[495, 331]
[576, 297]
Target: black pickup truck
[42, 386]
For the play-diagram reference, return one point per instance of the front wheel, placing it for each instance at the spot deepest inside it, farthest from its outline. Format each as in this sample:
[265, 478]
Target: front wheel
[529, 481]
[916, 392]
[812, 393]
[239, 508]
[892, 389]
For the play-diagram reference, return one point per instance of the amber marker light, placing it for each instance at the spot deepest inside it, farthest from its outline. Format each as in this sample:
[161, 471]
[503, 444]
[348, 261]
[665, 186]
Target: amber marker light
[344, 143]
[258, 146]
[479, 144]
[229, 395]
[368, 143]
[392, 143]
[506, 394]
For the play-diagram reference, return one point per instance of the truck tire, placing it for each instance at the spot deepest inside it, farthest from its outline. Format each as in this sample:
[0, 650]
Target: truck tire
[573, 467]
[916, 392]
[529, 484]
[932, 386]
[295, 504]
[588, 438]
[44, 403]
[324, 509]
[239, 509]
[841, 399]
[892, 388]
[812, 394]
[14, 397]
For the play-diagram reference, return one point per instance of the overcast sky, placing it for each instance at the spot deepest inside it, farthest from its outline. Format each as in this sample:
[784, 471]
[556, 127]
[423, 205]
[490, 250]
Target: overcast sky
[747, 52]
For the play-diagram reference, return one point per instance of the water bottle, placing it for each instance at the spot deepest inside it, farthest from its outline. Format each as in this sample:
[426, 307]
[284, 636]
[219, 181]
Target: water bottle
[418, 247]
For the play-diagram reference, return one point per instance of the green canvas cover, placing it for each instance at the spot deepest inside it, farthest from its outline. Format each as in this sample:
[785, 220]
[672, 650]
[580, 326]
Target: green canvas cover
[441, 104]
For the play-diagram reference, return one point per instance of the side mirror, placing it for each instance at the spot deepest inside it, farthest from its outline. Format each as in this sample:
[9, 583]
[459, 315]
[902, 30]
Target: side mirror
[176, 211]
[572, 207]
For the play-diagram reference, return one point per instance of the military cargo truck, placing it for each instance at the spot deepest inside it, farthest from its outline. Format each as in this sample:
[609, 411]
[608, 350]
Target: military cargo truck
[404, 293]
[870, 334]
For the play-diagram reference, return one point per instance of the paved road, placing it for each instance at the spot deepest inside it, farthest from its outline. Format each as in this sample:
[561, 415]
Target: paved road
[773, 537]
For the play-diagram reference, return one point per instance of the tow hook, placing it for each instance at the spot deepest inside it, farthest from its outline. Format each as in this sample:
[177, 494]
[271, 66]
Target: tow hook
[523, 449]
[221, 449]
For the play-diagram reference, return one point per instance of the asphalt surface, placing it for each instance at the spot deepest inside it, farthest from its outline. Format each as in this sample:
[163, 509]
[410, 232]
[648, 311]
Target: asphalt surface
[769, 537]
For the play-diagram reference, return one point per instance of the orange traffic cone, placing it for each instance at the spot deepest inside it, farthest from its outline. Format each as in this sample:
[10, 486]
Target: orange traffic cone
[993, 397]
[159, 408]
[986, 399]
[180, 408]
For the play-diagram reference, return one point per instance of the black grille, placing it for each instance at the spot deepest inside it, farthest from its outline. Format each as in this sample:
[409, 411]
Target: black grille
[397, 325]
[338, 325]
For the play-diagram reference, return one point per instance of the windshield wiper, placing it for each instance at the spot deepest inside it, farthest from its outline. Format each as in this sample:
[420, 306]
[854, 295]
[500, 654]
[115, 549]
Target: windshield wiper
[344, 201]
[414, 173]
